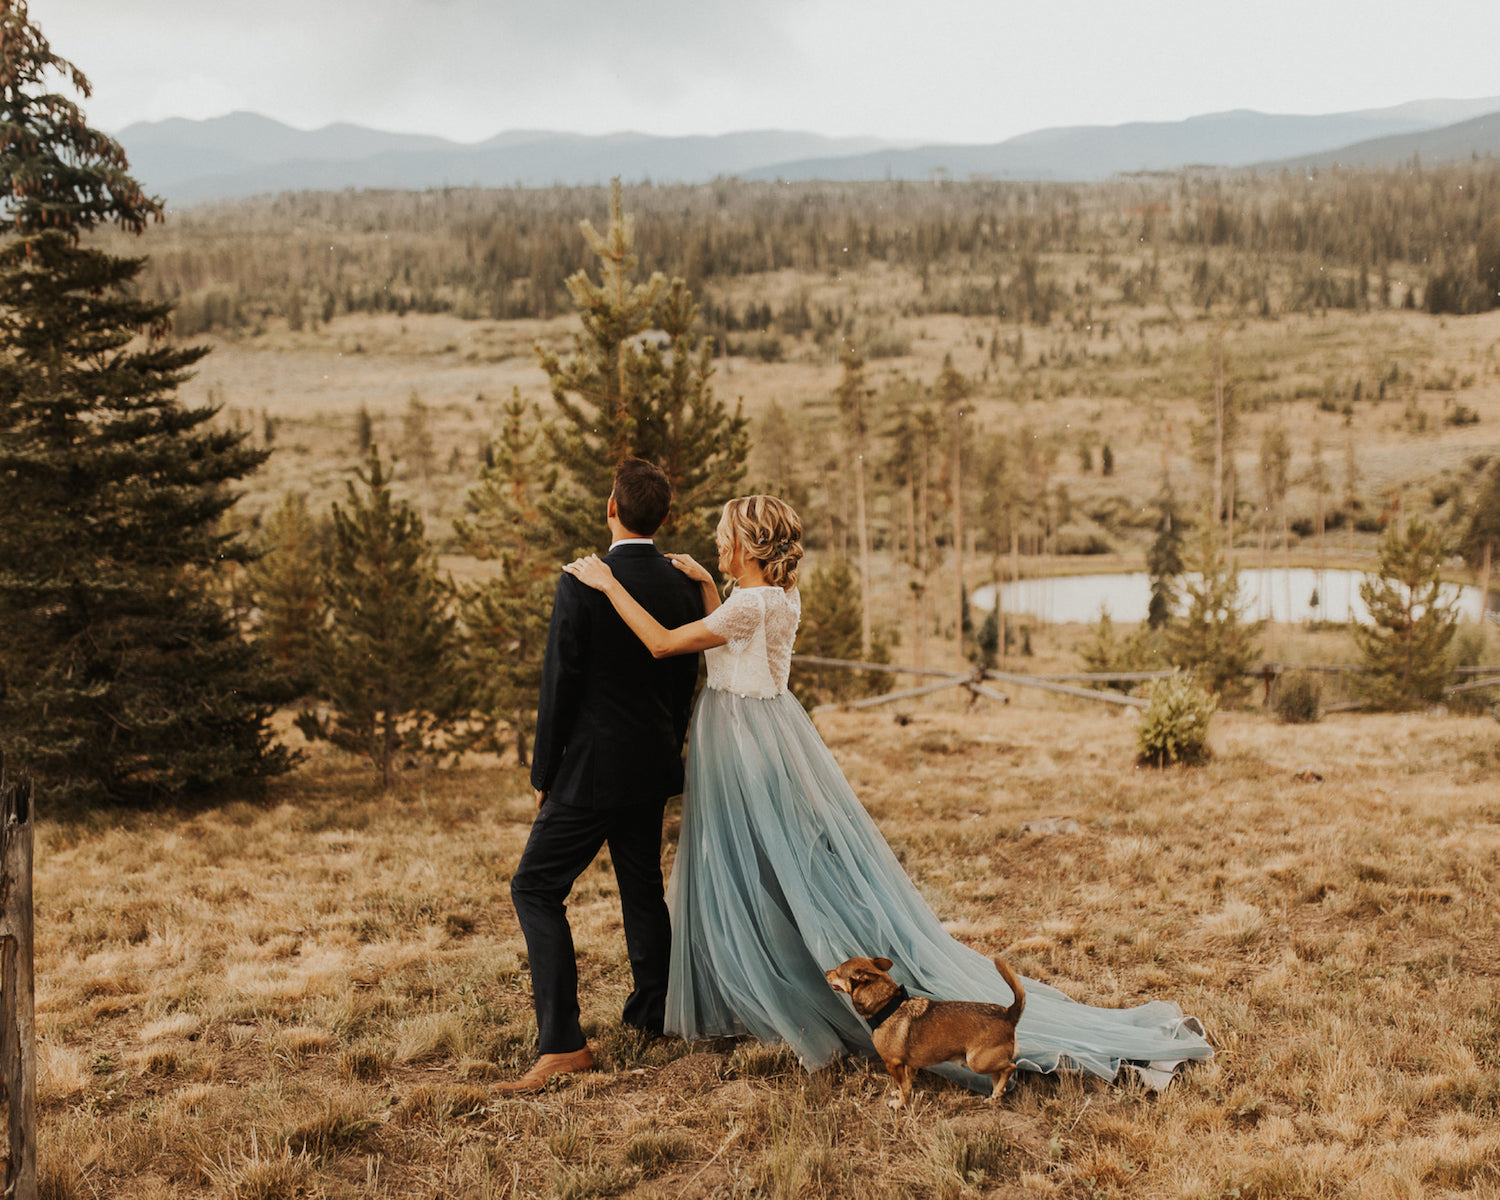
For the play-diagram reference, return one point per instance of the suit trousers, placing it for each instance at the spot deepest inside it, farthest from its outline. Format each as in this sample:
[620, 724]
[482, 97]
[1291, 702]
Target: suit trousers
[564, 841]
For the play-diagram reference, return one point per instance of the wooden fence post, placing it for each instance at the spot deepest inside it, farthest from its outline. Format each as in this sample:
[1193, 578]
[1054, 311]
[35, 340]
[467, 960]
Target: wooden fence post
[18, 1033]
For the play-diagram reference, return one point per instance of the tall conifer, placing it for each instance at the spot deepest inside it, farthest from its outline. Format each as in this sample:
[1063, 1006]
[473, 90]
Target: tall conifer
[1212, 638]
[286, 584]
[1164, 560]
[853, 397]
[122, 677]
[952, 390]
[505, 618]
[624, 394]
[830, 628]
[386, 650]
[1411, 623]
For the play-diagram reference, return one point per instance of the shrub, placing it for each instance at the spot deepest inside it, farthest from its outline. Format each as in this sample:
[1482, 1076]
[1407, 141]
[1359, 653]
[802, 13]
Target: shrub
[1299, 698]
[1470, 648]
[1174, 727]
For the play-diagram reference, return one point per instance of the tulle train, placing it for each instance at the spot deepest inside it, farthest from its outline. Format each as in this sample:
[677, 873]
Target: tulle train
[781, 874]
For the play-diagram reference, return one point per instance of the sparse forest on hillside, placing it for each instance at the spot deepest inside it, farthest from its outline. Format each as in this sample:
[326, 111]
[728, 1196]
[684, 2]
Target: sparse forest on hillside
[1248, 244]
[1089, 324]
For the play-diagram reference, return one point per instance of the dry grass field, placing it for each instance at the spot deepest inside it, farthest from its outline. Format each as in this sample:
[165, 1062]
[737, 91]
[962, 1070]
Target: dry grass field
[1139, 387]
[311, 997]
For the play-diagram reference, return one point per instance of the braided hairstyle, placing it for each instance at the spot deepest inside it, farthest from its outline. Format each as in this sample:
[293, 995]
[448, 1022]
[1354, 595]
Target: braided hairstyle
[770, 532]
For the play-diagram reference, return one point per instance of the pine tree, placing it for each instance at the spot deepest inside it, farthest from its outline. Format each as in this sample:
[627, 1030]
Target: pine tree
[386, 649]
[853, 398]
[621, 394]
[1213, 639]
[286, 585]
[780, 447]
[1217, 438]
[1411, 623]
[1164, 561]
[505, 619]
[123, 678]
[905, 436]
[986, 652]
[418, 449]
[952, 390]
[364, 431]
[830, 628]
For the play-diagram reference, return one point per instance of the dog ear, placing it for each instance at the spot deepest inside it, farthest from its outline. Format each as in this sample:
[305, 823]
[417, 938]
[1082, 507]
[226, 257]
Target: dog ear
[883, 964]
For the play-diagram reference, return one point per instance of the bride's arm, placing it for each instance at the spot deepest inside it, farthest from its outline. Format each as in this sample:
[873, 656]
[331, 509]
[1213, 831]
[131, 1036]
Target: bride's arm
[661, 641]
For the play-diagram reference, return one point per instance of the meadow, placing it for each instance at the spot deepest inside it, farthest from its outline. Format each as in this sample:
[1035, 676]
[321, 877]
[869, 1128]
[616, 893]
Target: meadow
[311, 996]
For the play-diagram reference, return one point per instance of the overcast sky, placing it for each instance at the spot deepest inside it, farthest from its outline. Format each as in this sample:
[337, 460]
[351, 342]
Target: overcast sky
[930, 70]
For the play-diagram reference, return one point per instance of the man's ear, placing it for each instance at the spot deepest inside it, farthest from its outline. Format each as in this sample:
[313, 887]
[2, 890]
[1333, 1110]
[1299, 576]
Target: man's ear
[611, 511]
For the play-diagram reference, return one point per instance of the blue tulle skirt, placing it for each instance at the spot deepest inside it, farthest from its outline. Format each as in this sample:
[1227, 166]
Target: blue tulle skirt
[781, 874]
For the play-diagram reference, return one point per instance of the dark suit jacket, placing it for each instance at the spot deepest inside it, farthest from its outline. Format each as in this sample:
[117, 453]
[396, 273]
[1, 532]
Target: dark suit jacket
[611, 720]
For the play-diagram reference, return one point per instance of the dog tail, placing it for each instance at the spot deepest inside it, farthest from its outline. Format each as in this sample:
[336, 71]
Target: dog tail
[1018, 1006]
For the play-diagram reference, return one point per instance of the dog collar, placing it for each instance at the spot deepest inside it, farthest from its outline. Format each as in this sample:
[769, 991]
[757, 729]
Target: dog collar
[891, 1005]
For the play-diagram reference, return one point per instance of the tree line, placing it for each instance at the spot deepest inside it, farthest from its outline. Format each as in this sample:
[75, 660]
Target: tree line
[1338, 238]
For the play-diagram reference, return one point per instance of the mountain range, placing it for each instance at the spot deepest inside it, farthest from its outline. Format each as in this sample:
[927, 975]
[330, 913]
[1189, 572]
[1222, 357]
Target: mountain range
[246, 154]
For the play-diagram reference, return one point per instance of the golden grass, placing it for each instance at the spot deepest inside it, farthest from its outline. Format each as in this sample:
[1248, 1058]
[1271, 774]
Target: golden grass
[274, 1000]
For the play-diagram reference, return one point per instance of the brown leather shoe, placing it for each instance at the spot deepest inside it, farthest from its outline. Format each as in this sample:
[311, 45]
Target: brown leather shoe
[545, 1068]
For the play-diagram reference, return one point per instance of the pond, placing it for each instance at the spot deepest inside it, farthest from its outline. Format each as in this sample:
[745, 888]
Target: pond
[1276, 594]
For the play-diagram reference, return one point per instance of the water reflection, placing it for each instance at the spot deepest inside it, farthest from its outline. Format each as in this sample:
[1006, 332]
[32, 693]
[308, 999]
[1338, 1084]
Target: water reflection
[1276, 594]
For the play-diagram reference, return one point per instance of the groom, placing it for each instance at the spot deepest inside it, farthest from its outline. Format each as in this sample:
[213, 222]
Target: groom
[610, 727]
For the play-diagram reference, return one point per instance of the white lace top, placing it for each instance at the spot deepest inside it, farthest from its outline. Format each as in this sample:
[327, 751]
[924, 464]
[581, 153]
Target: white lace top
[760, 627]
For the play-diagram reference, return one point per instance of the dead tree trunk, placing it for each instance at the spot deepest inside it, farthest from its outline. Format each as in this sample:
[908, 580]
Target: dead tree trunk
[18, 1035]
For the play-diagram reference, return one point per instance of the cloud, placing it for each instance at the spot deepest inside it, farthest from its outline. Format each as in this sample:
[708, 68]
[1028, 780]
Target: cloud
[963, 70]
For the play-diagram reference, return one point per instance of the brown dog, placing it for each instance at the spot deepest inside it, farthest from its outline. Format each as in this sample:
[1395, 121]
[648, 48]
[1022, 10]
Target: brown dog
[913, 1032]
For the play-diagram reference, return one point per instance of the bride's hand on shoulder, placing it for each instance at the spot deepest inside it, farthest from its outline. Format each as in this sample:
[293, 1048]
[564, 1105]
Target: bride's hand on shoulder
[690, 567]
[591, 571]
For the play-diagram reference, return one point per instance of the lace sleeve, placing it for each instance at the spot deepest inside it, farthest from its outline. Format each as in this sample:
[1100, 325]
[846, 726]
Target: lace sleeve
[737, 619]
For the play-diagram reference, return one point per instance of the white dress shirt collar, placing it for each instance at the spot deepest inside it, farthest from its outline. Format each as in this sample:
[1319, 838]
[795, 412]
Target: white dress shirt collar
[633, 542]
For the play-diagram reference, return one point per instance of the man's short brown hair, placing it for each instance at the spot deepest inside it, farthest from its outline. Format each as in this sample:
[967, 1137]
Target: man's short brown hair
[643, 494]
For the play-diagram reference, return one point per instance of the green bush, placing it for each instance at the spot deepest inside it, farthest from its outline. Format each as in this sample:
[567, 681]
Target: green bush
[1470, 647]
[1174, 727]
[832, 616]
[1299, 698]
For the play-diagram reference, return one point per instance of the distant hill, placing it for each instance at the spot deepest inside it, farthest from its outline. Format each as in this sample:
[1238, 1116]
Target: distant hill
[1478, 136]
[1094, 152]
[246, 154]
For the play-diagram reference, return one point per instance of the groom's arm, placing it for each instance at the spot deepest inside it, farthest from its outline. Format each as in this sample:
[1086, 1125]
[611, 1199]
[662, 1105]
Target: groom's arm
[562, 681]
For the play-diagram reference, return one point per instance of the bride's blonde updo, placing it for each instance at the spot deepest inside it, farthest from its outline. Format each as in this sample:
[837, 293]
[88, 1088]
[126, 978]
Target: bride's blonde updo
[770, 532]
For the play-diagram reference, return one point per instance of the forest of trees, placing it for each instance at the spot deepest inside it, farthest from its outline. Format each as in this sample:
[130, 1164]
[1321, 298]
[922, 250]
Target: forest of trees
[1346, 239]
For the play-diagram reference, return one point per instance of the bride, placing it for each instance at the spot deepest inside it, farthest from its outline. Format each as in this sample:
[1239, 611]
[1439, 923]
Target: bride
[781, 874]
